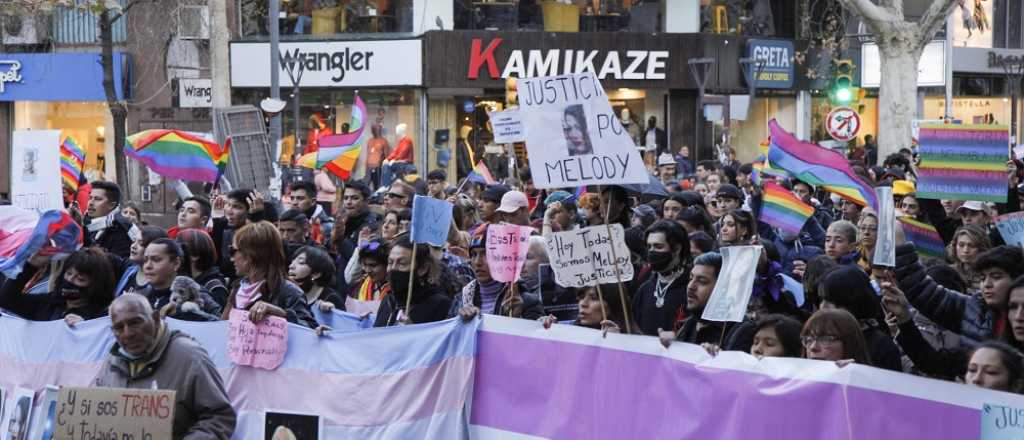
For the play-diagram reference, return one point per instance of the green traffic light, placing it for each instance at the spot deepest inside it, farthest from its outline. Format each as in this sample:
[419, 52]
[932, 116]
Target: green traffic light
[843, 95]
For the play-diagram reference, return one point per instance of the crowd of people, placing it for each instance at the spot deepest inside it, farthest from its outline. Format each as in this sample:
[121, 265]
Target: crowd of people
[815, 295]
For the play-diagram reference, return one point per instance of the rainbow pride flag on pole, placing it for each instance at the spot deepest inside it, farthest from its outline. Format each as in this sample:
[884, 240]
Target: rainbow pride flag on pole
[782, 209]
[481, 174]
[925, 238]
[339, 153]
[818, 166]
[178, 155]
[72, 162]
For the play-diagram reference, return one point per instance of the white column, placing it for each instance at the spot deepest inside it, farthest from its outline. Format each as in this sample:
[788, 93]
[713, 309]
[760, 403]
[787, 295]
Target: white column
[681, 16]
[803, 115]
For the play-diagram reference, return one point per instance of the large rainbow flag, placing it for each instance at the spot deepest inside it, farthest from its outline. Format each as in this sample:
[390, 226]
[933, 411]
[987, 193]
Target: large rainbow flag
[72, 161]
[818, 166]
[178, 155]
[339, 153]
[925, 238]
[782, 209]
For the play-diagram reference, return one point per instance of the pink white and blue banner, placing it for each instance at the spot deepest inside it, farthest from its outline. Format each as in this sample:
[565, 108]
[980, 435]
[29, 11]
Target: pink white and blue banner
[503, 378]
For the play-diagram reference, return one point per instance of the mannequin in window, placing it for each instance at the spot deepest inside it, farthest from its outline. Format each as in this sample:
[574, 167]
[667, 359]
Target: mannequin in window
[654, 139]
[318, 128]
[377, 147]
[631, 125]
[403, 149]
[464, 153]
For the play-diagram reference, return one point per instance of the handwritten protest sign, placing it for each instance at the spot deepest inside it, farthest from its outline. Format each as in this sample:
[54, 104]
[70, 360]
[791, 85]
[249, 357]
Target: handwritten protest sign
[508, 127]
[572, 135]
[115, 413]
[583, 257]
[35, 170]
[1011, 227]
[431, 219]
[728, 302]
[1000, 422]
[260, 345]
[507, 246]
[885, 243]
[963, 162]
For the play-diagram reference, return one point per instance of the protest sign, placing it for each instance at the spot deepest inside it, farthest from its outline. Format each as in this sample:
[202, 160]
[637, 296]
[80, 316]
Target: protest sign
[508, 127]
[885, 242]
[260, 345]
[583, 257]
[35, 170]
[573, 137]
[507, 246]
[283, 425]
[1011, 227]
[999, 422]
[18, 412]
[728, 302]
[115, 413]
[431, 219]
[963, 162]
[44, 415]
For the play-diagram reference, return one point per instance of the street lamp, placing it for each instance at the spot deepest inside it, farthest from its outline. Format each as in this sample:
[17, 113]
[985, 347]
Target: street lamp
[1013, 67]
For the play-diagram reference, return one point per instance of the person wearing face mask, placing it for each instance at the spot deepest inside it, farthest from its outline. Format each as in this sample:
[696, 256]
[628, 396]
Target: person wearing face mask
[83, 292]
[313, 271]
[485, 295]
[659, 303]
[428, 302]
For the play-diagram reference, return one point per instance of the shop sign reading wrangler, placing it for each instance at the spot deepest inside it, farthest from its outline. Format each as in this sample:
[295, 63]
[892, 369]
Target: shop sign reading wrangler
[330, 63]
[610, 64]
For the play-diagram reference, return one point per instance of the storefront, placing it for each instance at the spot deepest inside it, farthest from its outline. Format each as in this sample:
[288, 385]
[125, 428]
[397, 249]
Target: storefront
[60, 91]
[981, 87]
[387, 74]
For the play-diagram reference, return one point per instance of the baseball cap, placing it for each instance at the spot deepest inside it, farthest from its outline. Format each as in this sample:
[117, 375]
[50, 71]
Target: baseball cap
[666, 159]
[512, 201]
[645, 212]
[973, 205]
[494, 193]
[557, 197]
[729, 190]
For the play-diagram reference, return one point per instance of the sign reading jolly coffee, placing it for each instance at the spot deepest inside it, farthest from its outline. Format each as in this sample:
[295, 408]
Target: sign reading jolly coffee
[370, 63]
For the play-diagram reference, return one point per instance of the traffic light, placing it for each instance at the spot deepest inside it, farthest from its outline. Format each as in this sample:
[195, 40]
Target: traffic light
[841, 89]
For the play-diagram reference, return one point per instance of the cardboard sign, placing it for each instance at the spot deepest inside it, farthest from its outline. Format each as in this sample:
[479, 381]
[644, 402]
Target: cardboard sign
[508, 127]
[35, 170]
[963, 162]
[728, 302]
[1000, 422]
[260, 345]
[431, 219]
[507, 246]
[573, 137]
[121, 413]
[583, 257]
[1011, 227]
[885, 243]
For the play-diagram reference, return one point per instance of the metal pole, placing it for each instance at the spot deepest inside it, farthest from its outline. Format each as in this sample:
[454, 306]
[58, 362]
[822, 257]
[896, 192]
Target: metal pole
[275, 68]
[699, 69]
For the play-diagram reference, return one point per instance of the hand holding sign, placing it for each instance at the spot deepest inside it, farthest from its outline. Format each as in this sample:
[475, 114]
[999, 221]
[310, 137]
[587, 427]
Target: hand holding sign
[507, 246]
[728, 302]
[431, 219]
[1011, 228]
[115, 412]
[261, 345]
[583, 257]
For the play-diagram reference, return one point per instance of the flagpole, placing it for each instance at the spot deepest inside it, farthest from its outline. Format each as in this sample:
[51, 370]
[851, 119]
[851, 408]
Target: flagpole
[412, 275]
[615, 264]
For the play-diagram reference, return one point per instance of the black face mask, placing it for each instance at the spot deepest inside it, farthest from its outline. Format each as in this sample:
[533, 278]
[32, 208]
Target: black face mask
[304, 283]
[69, 291]
[399, 281]
[660, 261]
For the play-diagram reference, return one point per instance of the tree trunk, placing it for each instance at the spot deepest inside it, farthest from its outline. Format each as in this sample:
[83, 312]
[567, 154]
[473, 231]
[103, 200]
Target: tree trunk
[897, 94]
[118, 110]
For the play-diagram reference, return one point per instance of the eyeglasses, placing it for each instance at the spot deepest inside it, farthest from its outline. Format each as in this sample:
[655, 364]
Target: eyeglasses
[820, 339]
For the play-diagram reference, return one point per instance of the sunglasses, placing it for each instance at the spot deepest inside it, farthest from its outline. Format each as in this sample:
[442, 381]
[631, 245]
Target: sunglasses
[369, 246]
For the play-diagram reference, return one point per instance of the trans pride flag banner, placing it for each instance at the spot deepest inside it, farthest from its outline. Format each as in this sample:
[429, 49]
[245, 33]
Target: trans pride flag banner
[504, 378]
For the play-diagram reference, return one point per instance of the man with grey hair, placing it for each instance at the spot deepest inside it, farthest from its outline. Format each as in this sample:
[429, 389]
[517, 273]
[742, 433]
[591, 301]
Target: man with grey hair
[148, 355]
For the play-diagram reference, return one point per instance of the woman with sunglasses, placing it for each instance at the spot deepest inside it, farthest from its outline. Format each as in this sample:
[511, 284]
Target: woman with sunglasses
[262, 289]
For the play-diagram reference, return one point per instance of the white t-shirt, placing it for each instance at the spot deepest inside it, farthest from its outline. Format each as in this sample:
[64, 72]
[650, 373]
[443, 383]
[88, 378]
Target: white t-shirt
[652, 140]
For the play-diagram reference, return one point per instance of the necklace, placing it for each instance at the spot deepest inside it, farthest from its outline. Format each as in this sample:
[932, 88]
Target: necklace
[660, 290]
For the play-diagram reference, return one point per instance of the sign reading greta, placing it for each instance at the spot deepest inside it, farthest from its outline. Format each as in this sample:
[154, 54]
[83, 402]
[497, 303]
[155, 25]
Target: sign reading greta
[777, 55]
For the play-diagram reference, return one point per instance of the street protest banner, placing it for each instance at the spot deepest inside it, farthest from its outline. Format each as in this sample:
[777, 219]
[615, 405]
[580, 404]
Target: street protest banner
[573, 137]
[35, 170]
[1011, 227]
[507, 246]
[260, 345]
[1000, 422]
[431, 219]
[728, 301]
[583, 257]
[885, 242]
[115, 413]
[508, 127]
[963, 162]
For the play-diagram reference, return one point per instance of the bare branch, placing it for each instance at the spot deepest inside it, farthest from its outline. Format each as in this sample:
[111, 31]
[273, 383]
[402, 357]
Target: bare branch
[871, 12]
[933, 19]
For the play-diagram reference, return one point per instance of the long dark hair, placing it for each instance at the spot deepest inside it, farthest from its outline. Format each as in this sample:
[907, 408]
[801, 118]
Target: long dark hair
[94, 263]
[613, 306]
[788, 331]
[1012, 360]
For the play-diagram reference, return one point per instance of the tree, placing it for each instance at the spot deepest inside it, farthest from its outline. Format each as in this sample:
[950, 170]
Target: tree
[900, 43]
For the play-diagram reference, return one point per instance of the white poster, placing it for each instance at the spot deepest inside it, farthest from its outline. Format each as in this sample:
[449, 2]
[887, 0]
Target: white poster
[573, 137]
[35, 170]
[972, 23]
[584, 257]
[508, 127]
[376, 63]
[19, 411]
[885, 242]
[728, 302]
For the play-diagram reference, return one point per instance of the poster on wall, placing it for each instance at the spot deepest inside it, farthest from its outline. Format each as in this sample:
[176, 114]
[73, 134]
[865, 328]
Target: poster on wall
[972, 23]
[573, 136]
[35, 170]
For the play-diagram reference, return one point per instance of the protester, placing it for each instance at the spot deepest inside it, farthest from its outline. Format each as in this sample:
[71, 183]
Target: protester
[968, 242]
[774, 336]
[834, 335]
[105, 226]
[193, 213]
[737, 228]
[849, 288]
[660, 302]
[240, 207]
[313, 271]
[133, 280]
[164, 259]
[841, 242]
[369, 270]
[428, 302]
[595, 310]
[514, 208]
[201, 256]
[695, 330]
[437, 184]
[83, 292]
[399, 195]
[130, 210]
[493, 297]
[866, 239]
[996, 366]
[356, 213]
[148, 355]
[303, 198]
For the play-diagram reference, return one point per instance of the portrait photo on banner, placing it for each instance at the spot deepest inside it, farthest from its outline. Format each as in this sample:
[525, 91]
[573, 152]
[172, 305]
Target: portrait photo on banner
[574, 125]
[280, 425]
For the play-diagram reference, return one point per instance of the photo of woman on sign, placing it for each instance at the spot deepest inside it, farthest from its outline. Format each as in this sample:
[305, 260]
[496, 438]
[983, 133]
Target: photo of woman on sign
[574, 127]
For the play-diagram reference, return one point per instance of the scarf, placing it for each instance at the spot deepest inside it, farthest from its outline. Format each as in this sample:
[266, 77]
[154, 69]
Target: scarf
[247, 294]
[489, 295]
[368, 291]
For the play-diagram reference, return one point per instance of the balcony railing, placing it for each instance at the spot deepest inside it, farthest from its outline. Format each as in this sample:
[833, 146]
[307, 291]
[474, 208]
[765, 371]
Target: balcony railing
[75, 26]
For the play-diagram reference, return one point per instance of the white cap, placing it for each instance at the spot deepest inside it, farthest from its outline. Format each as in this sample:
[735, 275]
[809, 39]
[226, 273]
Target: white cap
[973, 205]
[271, 105]
[512, 201]
[666, 159]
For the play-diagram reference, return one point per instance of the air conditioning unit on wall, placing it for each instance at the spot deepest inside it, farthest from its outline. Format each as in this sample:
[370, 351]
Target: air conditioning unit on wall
[23, 29]
[193, 22]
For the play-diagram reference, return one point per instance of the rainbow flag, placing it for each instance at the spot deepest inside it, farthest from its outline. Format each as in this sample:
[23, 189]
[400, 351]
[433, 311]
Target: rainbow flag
[178, 155]
[72, 162]
[818, 166]
[481, 174]
[782, 209]
[925, 238]
[339, 153]
[24, 233]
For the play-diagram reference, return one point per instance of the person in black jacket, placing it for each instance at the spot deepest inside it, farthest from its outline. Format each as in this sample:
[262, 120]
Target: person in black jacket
[659, 303]
[694, 330]
[313, 271]
[428, 302]
[849, 288]
[241, 207]
[105, 226]
[84, 291]
[201, 255]
[163, 260]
